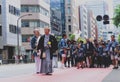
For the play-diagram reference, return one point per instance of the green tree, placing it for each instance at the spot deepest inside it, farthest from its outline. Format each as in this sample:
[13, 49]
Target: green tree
[72, 36]
[119, 38]
[116, 18]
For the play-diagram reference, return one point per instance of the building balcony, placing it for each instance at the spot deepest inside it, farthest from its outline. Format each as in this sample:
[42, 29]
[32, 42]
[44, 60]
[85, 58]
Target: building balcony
[29, 31]
[36, 16]
[36, 2]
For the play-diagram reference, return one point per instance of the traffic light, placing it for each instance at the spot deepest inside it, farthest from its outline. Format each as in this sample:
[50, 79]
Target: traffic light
[99, 18]
[105, 19]
[106, 22]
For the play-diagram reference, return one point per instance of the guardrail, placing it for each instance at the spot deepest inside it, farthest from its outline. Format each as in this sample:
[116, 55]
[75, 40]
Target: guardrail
[13, 61]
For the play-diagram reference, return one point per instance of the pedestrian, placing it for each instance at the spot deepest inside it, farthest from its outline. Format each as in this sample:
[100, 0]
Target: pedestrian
[80, 56]
[68, 55]
[63, 49]
[55, 59]
[74, 52]
[36, 54]
[104, 55]
[112, 45]
[21, 58]
[16, 59]
[99, 57]
[48, 45]
[89, 51]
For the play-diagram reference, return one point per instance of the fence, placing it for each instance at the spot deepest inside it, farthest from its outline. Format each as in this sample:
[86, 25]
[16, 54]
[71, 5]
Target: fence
[13, 61]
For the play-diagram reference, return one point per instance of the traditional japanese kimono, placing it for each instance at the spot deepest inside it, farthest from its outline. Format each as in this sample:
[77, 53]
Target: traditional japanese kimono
[48, 50]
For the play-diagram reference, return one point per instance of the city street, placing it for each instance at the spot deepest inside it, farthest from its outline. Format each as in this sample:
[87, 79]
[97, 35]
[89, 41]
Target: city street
[25, 72]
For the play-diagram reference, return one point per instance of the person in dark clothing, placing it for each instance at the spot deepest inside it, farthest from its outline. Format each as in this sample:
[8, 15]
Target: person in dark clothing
[80, 56]
[73, 53]
[47, 45]
[89, 51]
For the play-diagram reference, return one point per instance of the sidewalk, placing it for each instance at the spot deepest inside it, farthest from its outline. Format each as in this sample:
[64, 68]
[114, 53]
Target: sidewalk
[64, 75]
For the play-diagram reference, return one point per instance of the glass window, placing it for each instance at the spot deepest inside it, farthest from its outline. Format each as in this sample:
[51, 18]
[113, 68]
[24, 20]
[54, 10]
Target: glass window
[69, 18]
[13, 10]
[12, 29]
[69, 28]
[37, 8]
[32, 8]
[25, 23]
[69, 1]
[0, 9]
[0, 30]
[69, 10]
[33, 23]
[26, 38]
[24, 8]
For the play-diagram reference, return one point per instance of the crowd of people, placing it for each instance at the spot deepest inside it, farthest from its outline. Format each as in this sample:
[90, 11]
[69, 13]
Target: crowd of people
[99, 54]
[90, 54]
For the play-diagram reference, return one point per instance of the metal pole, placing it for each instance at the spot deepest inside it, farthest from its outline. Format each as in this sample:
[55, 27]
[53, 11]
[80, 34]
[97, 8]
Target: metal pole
[18, 31]
[18, 37]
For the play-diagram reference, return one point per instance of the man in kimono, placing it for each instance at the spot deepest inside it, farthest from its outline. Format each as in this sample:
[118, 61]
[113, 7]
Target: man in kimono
[48, 45]
[34, 44]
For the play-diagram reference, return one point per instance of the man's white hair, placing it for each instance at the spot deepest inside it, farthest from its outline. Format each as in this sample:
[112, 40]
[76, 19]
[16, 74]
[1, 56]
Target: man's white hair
[47, 28]
[36, 30]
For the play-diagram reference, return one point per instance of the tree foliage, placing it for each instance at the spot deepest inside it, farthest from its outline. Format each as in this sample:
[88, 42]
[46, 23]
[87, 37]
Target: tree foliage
[116, 18]
[72, 37]
[119, 38]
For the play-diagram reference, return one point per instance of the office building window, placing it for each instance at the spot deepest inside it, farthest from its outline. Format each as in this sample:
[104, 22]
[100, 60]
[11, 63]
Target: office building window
[0, 30]
[0, 9]
[25, 23]
[26, 38]
[12, 29]
[33, 23]
[13, 10]
[69, 2]
[69, 18]
[34, 9]
[69, 10]
[69, 28]
[24, 8]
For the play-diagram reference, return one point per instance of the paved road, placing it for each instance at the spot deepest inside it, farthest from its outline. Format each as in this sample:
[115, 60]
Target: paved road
[114, 76]
[25, 73]
[16, 70]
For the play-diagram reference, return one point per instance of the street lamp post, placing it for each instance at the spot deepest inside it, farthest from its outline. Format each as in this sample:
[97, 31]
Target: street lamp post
[18, 30]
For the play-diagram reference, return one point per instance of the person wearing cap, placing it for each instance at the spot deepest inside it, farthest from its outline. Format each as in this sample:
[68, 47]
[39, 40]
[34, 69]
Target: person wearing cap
[48, 45]
[34, 45]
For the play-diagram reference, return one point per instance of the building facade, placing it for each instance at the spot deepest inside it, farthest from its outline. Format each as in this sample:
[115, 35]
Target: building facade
[71, 17]
[92, 26]
[98, 7]
[9, 14]
[83, 17]
[39, 19]
[55, 21]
